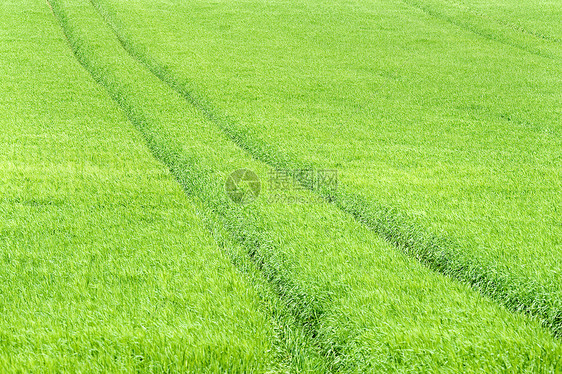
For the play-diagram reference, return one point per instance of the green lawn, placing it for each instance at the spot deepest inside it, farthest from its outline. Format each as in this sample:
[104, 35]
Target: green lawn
[442, 118]
[122, 251]
[105, 266]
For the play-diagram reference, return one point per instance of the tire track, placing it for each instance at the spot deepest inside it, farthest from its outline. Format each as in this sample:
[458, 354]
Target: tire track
[513, 26]
[296, 310]
[478, 31]
[518, 293]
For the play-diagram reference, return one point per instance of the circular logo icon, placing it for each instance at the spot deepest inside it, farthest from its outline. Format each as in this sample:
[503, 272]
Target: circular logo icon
[243, 186]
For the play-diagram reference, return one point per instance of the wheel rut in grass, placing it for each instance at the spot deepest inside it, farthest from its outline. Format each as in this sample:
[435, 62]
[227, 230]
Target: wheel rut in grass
[486, 34]
[513, 26]
[251, 246]
[442, 254]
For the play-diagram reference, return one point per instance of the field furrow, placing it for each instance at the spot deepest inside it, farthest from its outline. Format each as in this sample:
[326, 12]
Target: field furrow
[447, 252]
[495, 31]
[105, 265]
[355, 304]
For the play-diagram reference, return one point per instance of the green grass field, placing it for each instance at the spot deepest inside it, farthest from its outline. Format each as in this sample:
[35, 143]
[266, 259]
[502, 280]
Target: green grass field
[451, 132]
[439, 251]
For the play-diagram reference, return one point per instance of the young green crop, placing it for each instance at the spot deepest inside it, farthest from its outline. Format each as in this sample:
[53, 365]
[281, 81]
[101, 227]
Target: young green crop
[360, 305]
[104, 263]
[527, 25]
[445, 126]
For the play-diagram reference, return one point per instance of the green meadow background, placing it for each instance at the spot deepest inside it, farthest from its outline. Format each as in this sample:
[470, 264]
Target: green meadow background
[121, 251]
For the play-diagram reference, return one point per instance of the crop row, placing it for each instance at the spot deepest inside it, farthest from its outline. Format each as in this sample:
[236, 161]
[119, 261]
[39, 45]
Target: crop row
[104, 263]
[463, 241]
[348, 301]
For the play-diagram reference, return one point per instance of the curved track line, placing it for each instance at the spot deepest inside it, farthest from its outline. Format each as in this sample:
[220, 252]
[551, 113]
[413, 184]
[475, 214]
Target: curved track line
[235, 227]
[443, 255]
[477, 31]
